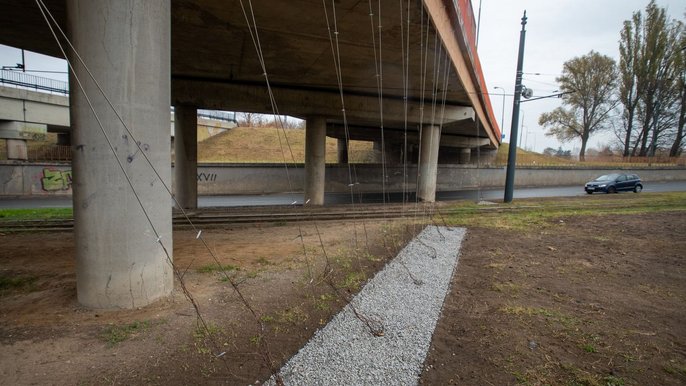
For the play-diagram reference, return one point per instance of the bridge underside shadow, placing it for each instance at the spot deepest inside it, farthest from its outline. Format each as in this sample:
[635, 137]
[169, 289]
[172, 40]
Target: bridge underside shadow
[405, 75]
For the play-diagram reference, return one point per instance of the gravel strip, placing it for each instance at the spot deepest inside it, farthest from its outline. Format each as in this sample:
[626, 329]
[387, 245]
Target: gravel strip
[406, 306]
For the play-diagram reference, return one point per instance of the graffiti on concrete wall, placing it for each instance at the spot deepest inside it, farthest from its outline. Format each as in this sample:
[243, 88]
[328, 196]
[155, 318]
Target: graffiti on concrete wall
[55, 180]
[207, 177]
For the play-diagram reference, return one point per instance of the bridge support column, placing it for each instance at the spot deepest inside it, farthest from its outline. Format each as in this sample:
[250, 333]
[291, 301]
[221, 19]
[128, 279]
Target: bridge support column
[123, 255]
[186, 156]
[428, 163]
[465, 156]
[17, 149]
[315, 160]
[342, 151]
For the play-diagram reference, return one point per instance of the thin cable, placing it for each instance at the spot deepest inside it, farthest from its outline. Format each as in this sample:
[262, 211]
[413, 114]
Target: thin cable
[43, 9]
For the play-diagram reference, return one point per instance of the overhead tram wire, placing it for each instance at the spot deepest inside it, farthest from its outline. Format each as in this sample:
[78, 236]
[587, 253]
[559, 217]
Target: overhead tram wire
[379, 85]
[45, 12]
[336, 52]
[199, 235]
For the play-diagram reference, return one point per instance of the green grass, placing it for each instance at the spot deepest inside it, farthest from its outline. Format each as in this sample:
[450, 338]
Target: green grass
[36, 214]
[525, 214]
[211, 268]
[117, 334]
[16, 283]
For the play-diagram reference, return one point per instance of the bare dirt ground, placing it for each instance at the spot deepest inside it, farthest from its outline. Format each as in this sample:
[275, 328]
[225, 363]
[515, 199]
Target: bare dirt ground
[47, 338]
[580, 300]
[584, 300]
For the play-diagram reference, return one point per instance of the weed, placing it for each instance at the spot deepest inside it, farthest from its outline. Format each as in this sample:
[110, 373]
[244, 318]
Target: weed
[322, 303]
[293, 315]
[264, 261]
[552, 315]
[211, 268]
[675, 368]
[510, 288]
[267, 319]
[256, 339]
[589, 348]
[117, 334]
[11, 282]
[611, 380]
[353, 280]
[202, 333]
[520, 378]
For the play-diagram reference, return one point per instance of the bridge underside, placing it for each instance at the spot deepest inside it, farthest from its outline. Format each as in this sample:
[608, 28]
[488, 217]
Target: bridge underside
[303, 43]
[403, 73]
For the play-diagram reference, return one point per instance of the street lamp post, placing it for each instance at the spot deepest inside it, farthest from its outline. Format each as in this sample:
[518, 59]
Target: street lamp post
[512, 155]
[502, 114]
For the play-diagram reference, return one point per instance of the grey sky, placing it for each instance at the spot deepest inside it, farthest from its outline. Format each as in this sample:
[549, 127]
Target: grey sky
[557, 30]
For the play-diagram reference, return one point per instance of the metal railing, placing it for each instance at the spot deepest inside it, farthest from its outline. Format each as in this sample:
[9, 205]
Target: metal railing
[28, 81]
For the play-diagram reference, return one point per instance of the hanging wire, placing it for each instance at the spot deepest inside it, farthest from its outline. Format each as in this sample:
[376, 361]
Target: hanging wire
[47, 16]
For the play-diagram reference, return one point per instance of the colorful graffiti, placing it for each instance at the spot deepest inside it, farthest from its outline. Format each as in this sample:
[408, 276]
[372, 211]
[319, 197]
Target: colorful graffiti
[54, 180]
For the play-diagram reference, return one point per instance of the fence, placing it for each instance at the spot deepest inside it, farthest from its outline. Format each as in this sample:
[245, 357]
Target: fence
[24, 80]
[50, 153]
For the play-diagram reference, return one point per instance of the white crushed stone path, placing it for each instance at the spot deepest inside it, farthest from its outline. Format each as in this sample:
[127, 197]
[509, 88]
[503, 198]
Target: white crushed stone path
[346, 353]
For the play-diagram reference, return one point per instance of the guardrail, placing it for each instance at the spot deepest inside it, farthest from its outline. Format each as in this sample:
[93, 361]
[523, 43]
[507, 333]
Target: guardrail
[24, 80]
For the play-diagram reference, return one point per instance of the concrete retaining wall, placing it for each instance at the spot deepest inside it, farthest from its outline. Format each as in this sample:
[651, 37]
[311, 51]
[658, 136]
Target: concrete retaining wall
[217, 179]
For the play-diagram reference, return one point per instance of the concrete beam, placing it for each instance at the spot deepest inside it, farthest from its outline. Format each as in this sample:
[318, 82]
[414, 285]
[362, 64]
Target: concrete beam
[303, 103]
[120, 249]
[34, 107]
[393, 135]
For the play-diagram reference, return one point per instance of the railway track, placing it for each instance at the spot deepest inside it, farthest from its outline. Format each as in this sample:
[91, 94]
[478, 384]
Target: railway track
[213, 218]
[208, 218]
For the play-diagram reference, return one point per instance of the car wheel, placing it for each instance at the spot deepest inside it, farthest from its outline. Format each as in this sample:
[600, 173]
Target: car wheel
[638, 188]
[611, 189]
[589, 192]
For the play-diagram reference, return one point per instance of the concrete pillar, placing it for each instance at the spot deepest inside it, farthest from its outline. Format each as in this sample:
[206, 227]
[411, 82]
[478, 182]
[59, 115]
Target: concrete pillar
[342, 151]
[186, 156]
[17, 149]
[120, 260]
[315, 160]
[428, 163]
[465, 155]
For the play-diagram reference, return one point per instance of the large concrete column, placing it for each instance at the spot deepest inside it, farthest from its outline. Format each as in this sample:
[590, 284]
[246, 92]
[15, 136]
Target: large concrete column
[465, 155]
[342, 151]
[428, 163]
[186, 156]
[120, 260]
[17, 149]
[315, 160]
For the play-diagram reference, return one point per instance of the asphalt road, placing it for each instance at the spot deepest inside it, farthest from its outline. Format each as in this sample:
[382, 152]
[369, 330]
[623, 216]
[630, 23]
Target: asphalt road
[343, 198]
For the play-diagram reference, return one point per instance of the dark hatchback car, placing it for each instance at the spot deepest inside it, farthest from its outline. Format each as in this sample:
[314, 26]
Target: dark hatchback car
[613, 183]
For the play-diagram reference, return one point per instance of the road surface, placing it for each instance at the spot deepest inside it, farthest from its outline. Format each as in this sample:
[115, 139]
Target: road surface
[343, 198]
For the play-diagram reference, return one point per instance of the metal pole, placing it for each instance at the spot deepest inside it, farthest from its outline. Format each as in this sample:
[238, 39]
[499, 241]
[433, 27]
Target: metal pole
[23, 62]
[512, 156]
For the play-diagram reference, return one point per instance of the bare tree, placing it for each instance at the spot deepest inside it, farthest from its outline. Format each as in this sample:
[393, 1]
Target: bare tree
[588, 84]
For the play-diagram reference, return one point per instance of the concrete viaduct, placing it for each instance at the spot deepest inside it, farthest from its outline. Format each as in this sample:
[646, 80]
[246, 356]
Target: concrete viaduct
[352, 69]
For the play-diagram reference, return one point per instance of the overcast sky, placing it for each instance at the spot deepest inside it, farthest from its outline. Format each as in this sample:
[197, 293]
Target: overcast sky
[557, 30]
